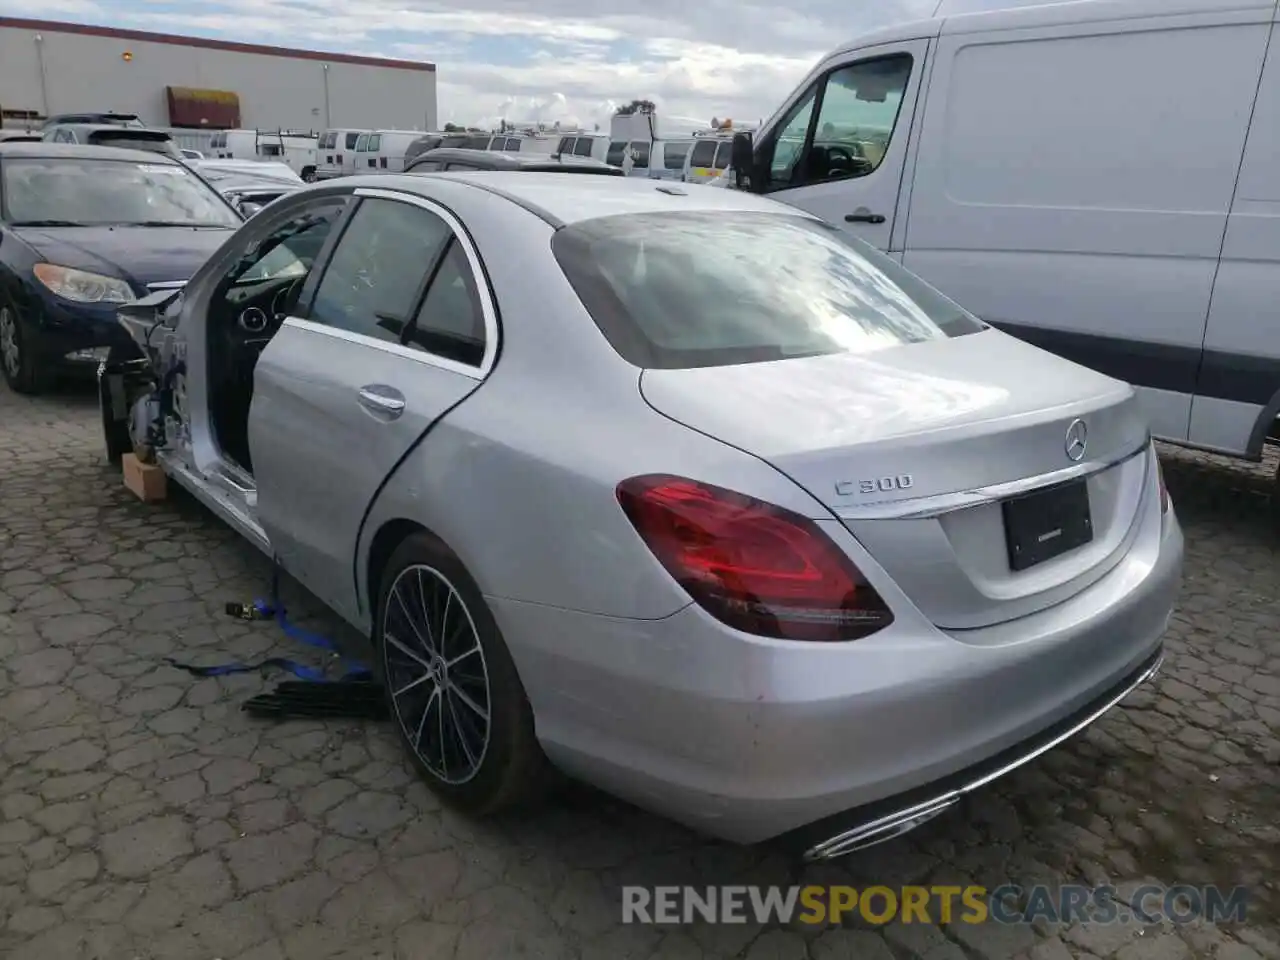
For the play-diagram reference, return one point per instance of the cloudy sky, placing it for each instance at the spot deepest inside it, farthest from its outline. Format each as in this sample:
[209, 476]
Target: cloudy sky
[551, 59]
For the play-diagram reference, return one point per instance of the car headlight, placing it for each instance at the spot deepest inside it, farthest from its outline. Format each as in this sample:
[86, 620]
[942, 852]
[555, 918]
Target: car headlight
[82, 286]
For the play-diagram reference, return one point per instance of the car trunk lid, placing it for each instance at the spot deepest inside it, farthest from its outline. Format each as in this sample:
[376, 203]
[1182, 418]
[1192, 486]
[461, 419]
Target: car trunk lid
[917, 449]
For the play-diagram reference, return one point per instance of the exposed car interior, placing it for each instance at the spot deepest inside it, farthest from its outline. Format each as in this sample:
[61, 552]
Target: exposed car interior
[247, 310]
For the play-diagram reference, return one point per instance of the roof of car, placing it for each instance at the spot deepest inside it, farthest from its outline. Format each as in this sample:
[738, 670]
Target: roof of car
[47, 149]
[141, 133]
[564, 200]
[501, 160]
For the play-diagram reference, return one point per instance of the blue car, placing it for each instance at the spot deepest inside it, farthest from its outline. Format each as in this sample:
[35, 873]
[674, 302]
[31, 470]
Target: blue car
[84, 229]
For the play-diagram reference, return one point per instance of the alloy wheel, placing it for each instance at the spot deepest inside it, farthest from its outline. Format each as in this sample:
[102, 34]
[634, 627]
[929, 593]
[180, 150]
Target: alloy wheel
[10, 350]
[435, 670]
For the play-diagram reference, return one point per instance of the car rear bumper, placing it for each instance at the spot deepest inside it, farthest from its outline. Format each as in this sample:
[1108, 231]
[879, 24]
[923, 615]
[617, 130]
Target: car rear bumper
[749, 739]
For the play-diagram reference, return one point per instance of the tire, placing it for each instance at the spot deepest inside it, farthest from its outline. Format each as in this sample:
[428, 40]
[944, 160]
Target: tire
[508, 769]
[115, 433]
[17, 363]
[309, 175]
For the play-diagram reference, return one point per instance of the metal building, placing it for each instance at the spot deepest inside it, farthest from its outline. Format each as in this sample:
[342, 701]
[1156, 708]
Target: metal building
[49, 68]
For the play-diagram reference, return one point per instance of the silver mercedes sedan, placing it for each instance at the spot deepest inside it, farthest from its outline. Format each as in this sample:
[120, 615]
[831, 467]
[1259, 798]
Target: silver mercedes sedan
[679, 491]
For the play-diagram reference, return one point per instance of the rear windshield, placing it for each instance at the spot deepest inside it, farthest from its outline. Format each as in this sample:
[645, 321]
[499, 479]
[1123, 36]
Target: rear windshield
[103, 138]
[679, 290]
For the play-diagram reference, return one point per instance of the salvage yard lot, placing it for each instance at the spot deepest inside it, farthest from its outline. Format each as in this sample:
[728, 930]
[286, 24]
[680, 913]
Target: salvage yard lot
[142, 815]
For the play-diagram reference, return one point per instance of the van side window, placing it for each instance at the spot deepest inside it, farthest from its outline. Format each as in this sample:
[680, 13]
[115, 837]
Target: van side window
[583, 147]
[857, 112]
[703, 153]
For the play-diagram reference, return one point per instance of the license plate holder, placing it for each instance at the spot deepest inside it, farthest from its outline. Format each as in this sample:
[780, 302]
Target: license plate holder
[1046, 524]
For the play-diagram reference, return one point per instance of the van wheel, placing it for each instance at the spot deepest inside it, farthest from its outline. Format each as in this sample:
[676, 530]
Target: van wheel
[451, 685]
[309, 175]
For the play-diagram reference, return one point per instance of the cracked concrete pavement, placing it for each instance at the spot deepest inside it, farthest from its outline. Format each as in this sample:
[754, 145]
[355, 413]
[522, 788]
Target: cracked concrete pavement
[143, 816]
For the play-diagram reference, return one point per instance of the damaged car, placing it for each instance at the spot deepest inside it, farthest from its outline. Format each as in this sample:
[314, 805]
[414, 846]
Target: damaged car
[681, 492]
[83, 230]
[249, 185]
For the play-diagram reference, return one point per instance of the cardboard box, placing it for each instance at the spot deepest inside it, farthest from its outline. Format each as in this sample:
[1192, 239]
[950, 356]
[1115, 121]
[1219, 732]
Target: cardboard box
[146, 480]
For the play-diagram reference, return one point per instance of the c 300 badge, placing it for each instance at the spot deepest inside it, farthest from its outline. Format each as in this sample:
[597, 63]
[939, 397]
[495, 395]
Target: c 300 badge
[847, 488]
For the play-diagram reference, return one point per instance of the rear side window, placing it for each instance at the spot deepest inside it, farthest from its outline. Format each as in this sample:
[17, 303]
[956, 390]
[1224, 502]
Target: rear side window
[450, 323]
[704, 153]
[679, 290]
[352, 140]
[477, 143]
[582, 148]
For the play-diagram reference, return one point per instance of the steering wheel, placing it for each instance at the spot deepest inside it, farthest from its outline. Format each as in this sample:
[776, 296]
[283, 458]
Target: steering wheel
[850, 164]
[286, 299]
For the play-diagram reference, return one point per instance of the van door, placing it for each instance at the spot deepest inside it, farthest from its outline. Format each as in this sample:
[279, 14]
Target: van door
[1238, 388]
[1058, 195]
[840, 150]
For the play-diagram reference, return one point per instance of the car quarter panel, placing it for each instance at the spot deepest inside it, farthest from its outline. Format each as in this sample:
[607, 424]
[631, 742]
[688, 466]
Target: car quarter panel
[519, 479]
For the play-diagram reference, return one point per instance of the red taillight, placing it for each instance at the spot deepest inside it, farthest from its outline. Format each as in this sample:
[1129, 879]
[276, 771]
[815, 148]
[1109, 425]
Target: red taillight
[754, 566]
[1164, 491]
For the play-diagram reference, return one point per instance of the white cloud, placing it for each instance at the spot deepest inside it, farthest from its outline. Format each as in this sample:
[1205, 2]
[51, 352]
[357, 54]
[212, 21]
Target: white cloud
[550, 60]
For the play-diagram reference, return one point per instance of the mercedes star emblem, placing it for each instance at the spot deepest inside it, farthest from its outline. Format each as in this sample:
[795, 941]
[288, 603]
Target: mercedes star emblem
[1077, 440]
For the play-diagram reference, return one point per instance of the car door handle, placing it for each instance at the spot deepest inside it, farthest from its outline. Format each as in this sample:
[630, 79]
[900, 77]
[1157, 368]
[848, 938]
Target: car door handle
[863, 215]
[384, 400]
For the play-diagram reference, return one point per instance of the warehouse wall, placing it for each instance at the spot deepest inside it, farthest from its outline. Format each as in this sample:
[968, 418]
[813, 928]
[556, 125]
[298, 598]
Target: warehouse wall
[84, 72]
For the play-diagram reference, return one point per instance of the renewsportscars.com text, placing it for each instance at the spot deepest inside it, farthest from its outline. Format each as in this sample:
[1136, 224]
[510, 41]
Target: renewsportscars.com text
[879, 905]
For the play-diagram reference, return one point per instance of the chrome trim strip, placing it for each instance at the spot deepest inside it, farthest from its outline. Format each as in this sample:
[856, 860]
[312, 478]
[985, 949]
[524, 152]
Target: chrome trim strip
[166, 285]
[895, 824]
[395, 349]
[920, 508]
[488, 308]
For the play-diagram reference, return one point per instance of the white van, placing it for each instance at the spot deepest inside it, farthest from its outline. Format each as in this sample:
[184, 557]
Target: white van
[337, 156]
[298, 150]
[669, 159]
[639, 151]
[1097, 177]
[592, 145]
[709, 158]
[385, 150]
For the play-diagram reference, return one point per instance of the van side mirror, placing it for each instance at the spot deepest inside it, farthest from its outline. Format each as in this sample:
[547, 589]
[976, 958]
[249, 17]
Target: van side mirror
[743, 160]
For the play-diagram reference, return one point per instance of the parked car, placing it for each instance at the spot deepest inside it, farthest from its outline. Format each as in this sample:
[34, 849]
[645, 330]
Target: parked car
[110, 135]
[249, 185]
[82, 230]
[1057, 209]
[433, 141]
[828, 552]
[452, 158]
[108, 118]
